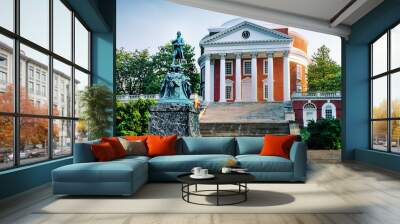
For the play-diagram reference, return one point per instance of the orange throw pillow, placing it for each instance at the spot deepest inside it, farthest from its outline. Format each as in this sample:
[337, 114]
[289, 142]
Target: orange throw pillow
[142, 138]
[277, 145]
[161, 145]
[103, 152]
[116, 145]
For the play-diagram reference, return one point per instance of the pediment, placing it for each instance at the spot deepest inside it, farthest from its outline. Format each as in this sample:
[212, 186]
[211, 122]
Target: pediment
[256, 33]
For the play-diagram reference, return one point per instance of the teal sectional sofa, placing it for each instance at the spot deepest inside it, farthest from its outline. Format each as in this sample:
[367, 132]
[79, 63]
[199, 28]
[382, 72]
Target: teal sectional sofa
[125, 176]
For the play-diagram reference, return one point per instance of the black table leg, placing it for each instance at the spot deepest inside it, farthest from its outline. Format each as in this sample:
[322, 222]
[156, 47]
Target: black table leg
[195, 188]
[245, 193]
[217, 194]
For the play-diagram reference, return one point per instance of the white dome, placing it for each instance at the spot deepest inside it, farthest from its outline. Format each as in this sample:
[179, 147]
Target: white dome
[232, 22]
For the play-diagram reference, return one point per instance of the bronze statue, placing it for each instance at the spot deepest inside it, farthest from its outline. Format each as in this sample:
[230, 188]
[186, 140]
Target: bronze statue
[176, 87]
[178, 44]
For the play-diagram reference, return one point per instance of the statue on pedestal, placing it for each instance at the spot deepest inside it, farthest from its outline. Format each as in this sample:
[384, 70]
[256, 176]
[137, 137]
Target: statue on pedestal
[175, 112]
[176, 87]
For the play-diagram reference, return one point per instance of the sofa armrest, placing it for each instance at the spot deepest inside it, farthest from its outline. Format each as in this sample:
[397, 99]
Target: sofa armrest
[83, 152]
[298, 155]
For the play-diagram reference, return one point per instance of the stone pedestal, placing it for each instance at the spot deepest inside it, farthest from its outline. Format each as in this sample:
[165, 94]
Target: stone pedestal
[174, 119]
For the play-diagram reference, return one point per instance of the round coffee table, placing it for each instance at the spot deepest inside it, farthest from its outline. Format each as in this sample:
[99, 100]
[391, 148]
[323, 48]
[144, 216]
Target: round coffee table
[238, 179]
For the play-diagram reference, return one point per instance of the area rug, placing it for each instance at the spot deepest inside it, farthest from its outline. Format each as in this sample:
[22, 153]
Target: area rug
[166, 198]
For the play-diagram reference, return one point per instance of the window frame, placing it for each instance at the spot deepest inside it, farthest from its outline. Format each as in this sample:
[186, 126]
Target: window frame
[16, 115]
[265, 66]
[388, 74]
[229, 83]
[265, 89]
[231, 65]
[244, 67]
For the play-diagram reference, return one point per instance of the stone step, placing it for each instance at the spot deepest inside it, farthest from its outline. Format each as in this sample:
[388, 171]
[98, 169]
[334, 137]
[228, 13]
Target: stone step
[243, 129]
[243, 112]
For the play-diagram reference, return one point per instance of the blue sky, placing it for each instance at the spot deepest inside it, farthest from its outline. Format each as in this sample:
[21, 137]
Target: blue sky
[149, 24]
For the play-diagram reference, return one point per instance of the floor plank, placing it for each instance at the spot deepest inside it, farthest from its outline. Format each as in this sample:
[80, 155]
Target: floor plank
[376, 190]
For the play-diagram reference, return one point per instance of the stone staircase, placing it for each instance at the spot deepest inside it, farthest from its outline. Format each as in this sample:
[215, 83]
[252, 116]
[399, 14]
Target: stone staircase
[244, 119]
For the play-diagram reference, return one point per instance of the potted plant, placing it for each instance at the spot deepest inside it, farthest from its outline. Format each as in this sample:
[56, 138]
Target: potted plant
[96, 102]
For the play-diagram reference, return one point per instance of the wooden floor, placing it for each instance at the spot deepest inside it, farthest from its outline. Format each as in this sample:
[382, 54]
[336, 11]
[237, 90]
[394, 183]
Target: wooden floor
[378, 189]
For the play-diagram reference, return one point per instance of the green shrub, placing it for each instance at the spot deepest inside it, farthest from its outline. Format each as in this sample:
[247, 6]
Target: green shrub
[323, 134]
[132, 117]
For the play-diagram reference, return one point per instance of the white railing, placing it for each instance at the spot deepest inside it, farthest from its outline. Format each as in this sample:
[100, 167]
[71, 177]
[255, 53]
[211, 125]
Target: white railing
[150, 96]
[332, 94]
[139, 96]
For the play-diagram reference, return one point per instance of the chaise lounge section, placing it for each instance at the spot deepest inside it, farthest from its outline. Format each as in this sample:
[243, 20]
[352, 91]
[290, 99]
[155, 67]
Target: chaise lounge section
[125, 176]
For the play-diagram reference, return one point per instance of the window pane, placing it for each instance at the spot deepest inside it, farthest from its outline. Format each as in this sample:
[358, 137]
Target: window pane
[7, 14]
[33, 139]
[62, 138]
[228, 68]
[379, 98]
[62, 29]
[247, 67]
[395, 136]
[81, 82]
[81, 45]
[62, 89]
[379, 55]
[6, 142]
[35, 21]
[34, 72]
[379, 135]
[81, 131]
[395, 47]
[6, 74]
[395, 94]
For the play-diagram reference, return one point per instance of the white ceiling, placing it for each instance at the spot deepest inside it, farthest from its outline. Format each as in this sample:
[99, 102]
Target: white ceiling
[316, 15]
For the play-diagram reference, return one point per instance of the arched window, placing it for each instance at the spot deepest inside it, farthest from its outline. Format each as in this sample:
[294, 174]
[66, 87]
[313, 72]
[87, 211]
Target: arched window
[309, 113]
[229, 89]
[329, 111]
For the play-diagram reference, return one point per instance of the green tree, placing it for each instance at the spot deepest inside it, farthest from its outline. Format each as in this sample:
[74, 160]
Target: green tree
[161, 63]
[324, 74]
[132, 69]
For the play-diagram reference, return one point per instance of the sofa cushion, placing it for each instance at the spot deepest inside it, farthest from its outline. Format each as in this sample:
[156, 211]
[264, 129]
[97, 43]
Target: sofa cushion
[83, 152]
[112, 171]
[257, 163]
[135, 147]
[116, 145]
[277, 145]
[161, 145]
[249, 145]
[103, 152]
[208, 145]
[185, 163]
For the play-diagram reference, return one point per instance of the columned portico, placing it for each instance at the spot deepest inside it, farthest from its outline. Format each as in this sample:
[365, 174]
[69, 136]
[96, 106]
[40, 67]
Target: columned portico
[222, 79]
[254, 76]
[249, 63]
[238, 78]
[286, 77]
[270, 77]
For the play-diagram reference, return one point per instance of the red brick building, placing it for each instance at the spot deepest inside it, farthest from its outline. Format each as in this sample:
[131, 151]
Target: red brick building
[245, 62]
[312, 106]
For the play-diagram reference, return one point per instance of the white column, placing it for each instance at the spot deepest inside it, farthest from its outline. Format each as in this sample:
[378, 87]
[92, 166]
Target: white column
[270, 77]
[212, 80]
[286, 77]
[222, 79]
[238, 78]
[207, 79]
[254, 77]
